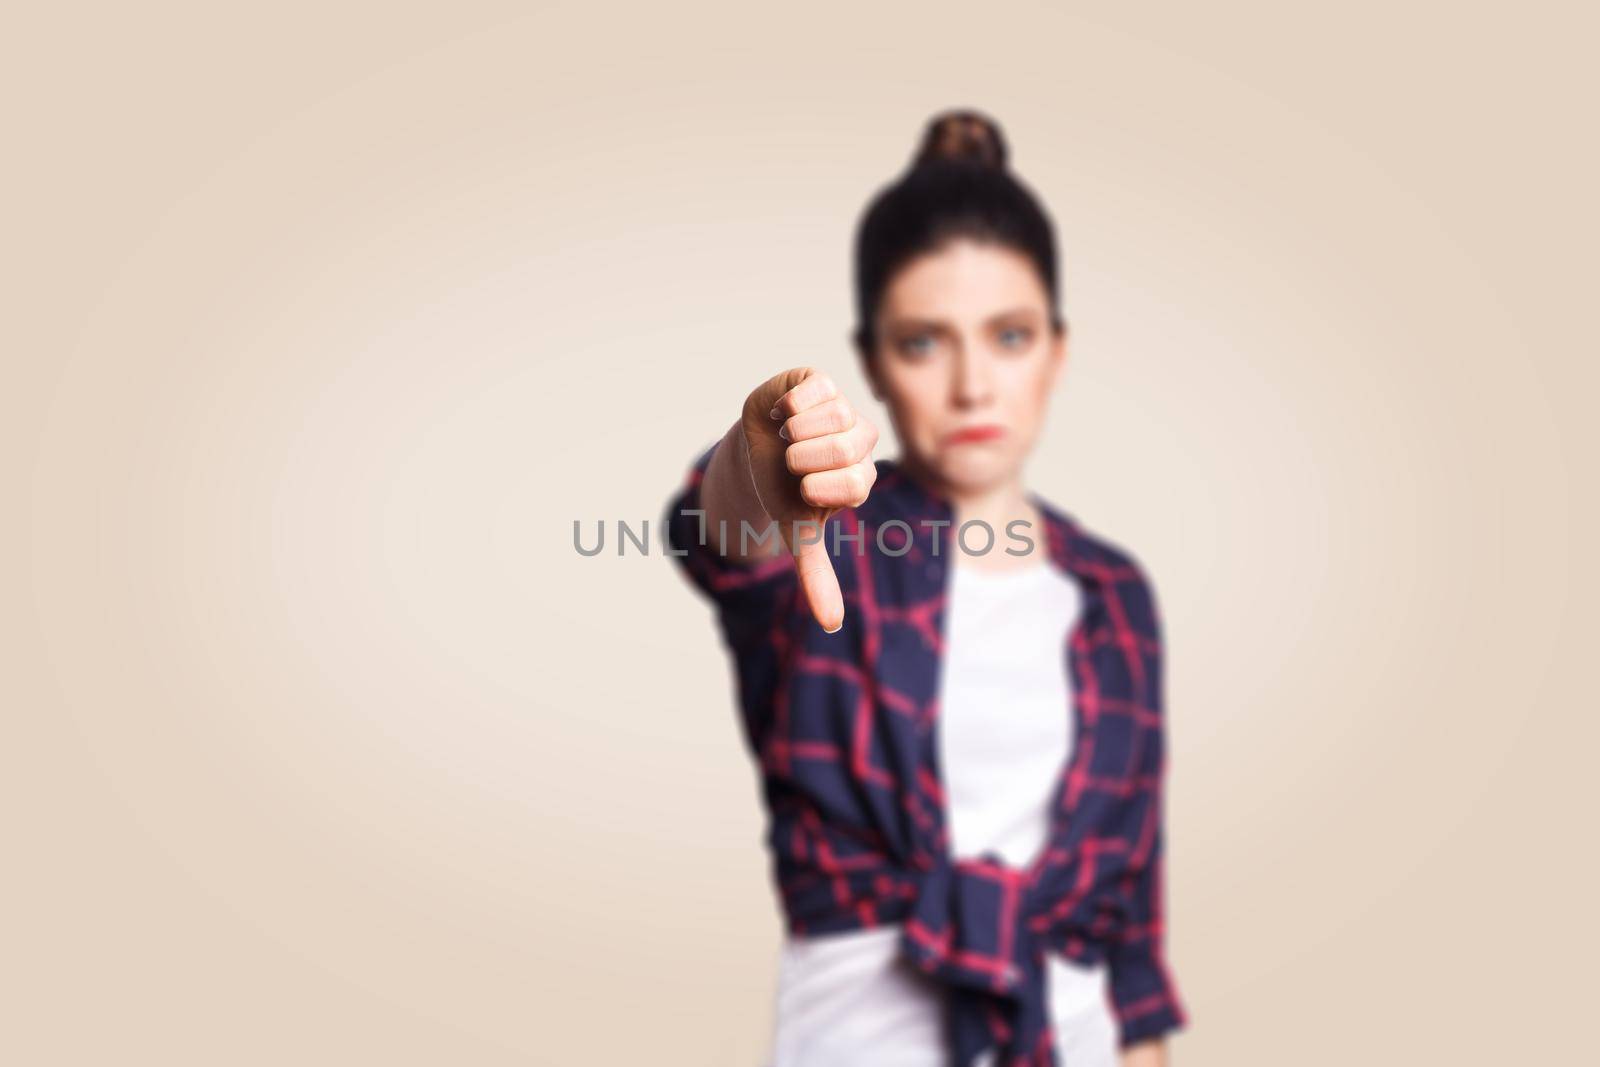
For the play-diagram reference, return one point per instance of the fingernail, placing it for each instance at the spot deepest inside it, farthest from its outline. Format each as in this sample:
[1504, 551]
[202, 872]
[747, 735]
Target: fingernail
[835, 630]
[783, 431]
[773, 414]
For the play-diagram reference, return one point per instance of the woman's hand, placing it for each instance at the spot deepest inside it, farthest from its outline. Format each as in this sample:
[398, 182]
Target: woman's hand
[810, 454]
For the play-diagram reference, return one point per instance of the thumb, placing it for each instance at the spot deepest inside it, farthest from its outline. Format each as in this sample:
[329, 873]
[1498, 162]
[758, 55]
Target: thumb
[819, 583]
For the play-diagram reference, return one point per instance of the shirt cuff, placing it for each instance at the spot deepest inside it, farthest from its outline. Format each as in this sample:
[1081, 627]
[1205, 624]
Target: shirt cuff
[730, 584]
[1143, 993]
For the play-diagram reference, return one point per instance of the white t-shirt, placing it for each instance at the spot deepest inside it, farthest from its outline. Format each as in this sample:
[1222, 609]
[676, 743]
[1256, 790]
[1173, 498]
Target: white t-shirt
[1004, 734]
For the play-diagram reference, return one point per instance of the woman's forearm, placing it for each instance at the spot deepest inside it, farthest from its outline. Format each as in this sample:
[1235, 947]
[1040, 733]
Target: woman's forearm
[1152, 1053]
[728, 495]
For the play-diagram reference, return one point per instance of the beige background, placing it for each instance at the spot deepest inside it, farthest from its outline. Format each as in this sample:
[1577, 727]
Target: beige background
[324, 323]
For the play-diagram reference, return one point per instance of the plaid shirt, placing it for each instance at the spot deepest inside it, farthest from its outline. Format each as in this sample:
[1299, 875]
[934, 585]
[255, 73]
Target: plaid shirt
[841, 726]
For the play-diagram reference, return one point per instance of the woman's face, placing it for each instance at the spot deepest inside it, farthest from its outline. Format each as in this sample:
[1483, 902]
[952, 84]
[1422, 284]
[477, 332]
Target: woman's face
[965, 362]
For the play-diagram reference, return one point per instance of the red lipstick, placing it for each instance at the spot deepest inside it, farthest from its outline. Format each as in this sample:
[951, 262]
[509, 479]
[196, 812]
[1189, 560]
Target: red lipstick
[972, 434]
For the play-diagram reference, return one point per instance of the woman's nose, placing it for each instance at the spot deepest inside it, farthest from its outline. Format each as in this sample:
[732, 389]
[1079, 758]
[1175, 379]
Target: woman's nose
[972, 386]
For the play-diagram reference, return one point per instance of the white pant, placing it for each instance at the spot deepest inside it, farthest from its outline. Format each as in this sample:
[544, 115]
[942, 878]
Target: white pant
[851, 999]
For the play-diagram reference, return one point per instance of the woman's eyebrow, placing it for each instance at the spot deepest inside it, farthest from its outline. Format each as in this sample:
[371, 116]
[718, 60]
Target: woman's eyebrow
[1017, 312]
[913, 323]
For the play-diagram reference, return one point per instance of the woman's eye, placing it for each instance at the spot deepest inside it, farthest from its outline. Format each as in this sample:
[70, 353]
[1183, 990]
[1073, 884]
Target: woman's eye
[919, 345]
[1014, 336]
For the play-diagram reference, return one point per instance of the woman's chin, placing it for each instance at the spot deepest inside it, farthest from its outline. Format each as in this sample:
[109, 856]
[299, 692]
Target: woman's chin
[973, 468]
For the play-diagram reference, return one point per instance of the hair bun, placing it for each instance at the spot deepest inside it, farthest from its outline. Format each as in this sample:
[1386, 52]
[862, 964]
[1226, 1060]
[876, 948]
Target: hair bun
[964, 136]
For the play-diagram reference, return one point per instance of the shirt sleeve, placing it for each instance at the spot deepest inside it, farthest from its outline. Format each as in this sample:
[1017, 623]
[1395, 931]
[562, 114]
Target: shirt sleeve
[1144, 993]
[747, 596]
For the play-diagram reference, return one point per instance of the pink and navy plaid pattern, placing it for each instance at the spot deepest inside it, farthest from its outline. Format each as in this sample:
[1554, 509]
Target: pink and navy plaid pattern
[842, 728]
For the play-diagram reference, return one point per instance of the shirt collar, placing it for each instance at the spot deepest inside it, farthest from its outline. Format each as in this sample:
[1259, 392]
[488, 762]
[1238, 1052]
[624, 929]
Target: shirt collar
[903, 496]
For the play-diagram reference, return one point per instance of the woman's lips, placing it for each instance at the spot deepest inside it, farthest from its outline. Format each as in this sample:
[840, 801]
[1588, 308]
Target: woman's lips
[973, 434]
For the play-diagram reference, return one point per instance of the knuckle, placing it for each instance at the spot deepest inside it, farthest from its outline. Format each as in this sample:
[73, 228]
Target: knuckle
[861, 444]
[846, 414]
[856, 484]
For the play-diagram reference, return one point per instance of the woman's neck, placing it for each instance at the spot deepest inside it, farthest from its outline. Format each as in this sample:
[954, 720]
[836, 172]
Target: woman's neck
[996, 506]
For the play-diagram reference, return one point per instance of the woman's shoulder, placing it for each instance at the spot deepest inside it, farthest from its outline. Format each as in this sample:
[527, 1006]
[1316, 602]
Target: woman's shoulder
[1083, 541]
[1103, 559]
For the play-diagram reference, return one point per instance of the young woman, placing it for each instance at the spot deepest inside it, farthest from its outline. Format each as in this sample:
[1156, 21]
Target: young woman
[952, 689]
